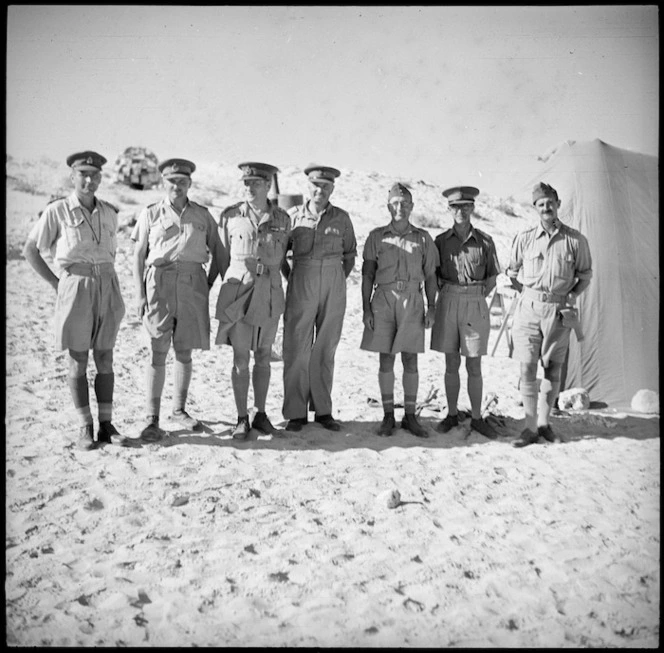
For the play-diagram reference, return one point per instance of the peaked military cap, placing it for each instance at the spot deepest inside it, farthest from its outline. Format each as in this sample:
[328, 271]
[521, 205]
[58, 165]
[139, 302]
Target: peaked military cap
[399, 190]
[176, 168]
[461, 194]
[544, 190]
[321, 173]
[87, 160]
[255, 170]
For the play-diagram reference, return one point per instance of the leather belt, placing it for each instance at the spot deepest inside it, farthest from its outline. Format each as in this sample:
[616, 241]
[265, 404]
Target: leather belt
[539, 296]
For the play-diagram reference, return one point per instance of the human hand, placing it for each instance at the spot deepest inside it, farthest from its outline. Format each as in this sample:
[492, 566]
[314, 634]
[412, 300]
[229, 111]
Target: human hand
[430, 317]
[141, 305]
[571, 298]
[368, 319]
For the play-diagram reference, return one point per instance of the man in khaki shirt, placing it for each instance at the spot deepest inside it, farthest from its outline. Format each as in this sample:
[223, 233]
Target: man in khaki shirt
[399, 259]
[555, 266]
[174, 239]
[80, 232]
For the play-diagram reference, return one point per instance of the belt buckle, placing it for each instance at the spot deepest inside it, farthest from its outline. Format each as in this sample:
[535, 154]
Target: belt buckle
[95, 269]
[547, 297]
[259, 269]
[400, 285]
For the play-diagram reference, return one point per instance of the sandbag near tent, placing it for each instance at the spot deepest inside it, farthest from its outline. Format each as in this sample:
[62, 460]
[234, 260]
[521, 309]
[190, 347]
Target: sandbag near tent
[611, 195]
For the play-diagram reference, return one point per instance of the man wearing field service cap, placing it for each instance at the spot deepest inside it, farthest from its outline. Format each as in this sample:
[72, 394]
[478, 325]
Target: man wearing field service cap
[323, 251]
[398, 259]
[80, 232]
[466, 275]
[555, 267]
[251, 299]
[174, 240]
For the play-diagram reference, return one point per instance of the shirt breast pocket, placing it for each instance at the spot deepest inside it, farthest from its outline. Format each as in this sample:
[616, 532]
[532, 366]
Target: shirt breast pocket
[532, 265]
[109, 238]
[303, 240]
[76, 231]
[195, 234]
[563, 267]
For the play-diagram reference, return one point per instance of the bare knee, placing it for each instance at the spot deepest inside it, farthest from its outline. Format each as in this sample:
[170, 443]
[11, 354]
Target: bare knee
[183, 356]
[452, 363]
[474, 366]
[409, 362]
[159, 358]
[240, 360]
[386, 363]
[262, 357]
[529, 372]
[103, 360]
[78, 363]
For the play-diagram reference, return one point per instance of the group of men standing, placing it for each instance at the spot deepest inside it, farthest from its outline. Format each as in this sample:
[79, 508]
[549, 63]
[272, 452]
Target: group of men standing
[314, 248]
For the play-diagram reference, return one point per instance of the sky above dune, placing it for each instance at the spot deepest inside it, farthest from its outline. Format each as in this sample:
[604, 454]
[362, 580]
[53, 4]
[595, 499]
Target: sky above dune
[450, 95]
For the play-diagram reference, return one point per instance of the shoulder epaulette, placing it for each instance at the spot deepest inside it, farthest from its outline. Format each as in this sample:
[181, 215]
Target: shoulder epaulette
[55, 199]
[232, 207]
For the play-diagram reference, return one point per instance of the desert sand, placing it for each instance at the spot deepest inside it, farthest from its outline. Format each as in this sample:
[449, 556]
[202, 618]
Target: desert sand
[293, 539]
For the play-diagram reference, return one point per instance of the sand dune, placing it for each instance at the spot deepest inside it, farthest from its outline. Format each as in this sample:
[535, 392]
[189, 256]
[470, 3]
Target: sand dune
[291, 540]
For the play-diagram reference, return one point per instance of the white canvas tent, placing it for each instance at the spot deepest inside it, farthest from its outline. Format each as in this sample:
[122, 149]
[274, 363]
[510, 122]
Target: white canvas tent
[611, 195]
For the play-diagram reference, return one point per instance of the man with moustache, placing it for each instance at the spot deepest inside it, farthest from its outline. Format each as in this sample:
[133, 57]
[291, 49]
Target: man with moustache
[556, 267]
[467, 274]
[174, 240]
[251, 300]
[80, 232]
[323, 251]
[398, 259]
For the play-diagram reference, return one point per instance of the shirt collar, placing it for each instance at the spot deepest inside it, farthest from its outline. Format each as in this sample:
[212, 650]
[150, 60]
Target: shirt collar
[389, 228]
[471, 233]
[541, 230]
[75, 203]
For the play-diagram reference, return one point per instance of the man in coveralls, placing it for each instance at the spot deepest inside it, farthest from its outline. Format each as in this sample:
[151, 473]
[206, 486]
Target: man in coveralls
[80, 232]
[324, 249]
[174, 239]
[467, 274]
[251, 300]
[556, 266]
[398, 258]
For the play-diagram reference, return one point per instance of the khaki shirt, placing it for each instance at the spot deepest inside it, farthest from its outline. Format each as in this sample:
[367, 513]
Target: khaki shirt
[329, 236]
[553, 263]
[468, 262]
[410, 256]
[188, 237]
[71, 234]
[249, 242]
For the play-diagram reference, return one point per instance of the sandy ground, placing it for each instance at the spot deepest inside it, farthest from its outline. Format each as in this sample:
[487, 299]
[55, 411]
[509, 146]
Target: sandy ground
[291, 540]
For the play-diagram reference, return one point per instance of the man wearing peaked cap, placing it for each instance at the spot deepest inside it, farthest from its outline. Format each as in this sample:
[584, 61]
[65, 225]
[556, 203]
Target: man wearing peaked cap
[174, 239]
[80, 231]
[251, 299]
[174, 168]
[323, 249]
[399, 259]
[466, 275]
[550, 265]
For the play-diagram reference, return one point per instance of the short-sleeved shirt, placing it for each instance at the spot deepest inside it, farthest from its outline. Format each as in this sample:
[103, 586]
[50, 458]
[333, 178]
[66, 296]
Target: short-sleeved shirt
[410, 256]
[71, 234]
[550, 263]
[329, 235]
[188, 237]
[466, 262]
[249, 241]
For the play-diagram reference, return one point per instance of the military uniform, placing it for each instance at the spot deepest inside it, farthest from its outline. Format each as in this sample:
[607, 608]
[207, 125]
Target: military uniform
[175, 281]
[315, 302]
[462, 315]
[251, 299]
[403, 261]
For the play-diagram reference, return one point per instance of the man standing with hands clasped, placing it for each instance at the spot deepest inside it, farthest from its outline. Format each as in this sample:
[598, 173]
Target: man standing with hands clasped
[81, 233]
[324, 250]
[556, 268]
[398, 259]
[251, 299]
[174, 239]
[467, 274]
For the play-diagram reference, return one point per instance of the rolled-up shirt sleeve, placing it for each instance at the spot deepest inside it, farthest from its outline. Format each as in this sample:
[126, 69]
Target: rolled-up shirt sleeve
[584, 264]
[516, 257]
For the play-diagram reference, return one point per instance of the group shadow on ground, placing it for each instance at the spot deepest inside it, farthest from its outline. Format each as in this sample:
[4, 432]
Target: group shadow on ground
[361, 434]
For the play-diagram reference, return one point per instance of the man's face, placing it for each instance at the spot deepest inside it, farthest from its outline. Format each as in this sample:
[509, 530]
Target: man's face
[86, 182]
[400, 208]
[547, 207]
[256, 190]
[177, 187]
[320, 191]
[462, 213]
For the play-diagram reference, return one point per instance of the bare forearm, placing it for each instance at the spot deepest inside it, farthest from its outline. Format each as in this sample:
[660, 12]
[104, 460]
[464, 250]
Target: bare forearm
[38, 264]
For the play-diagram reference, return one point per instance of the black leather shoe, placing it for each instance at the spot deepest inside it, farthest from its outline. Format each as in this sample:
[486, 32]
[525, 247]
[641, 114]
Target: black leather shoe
[387, 426]
[527, 437]
[296, 424]
[484, 428]
[547, 433]
[108, 434]
[152, 432]
[448, 424]
[328, 422]
[410, 423]
[86, 438]
[262, 423]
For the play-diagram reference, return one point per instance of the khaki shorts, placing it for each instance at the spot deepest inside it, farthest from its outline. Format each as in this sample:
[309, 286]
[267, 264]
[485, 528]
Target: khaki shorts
[462, 323]
[398, 323]
[177, 307]
[88, 308]
[538, 332]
